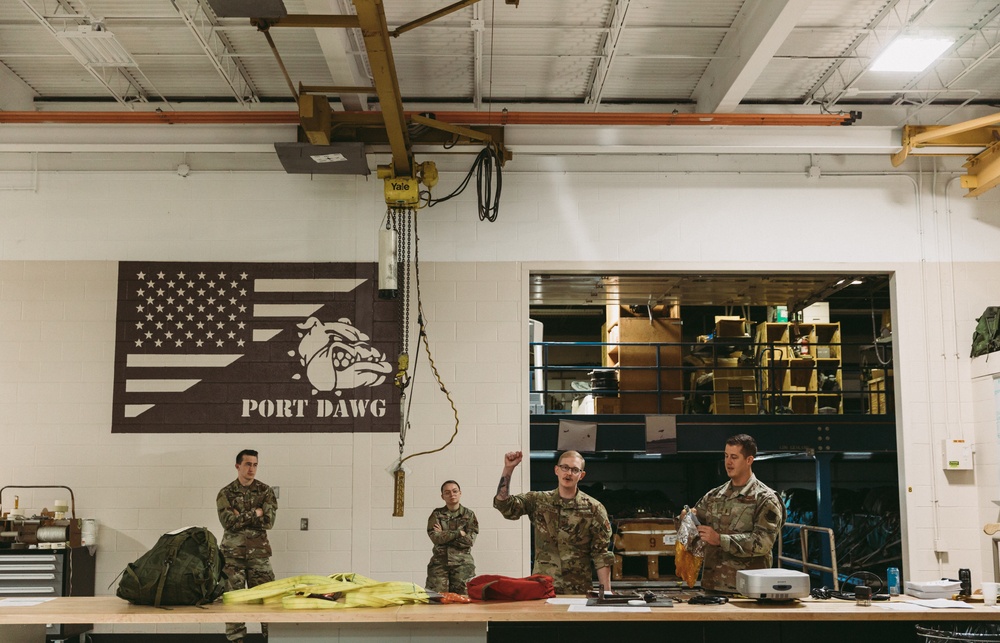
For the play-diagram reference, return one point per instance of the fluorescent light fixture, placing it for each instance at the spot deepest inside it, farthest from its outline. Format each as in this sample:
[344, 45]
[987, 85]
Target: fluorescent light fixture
[911, 53]
[94, 47]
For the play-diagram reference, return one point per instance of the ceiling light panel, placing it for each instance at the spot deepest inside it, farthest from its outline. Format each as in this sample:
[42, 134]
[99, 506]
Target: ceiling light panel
[911, 53]
[95, 48]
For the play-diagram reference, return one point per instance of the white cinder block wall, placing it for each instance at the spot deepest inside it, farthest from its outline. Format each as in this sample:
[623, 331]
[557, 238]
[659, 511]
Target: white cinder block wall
[59, 245]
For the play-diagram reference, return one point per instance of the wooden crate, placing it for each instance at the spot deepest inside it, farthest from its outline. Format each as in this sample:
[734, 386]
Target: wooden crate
[607, 405]
[734, 395]
[637, 379]
[875, 389]
[647, 536]
[732, 327]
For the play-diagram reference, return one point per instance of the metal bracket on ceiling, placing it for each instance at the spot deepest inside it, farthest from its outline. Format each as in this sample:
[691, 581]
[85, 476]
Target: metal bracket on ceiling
[978, 139]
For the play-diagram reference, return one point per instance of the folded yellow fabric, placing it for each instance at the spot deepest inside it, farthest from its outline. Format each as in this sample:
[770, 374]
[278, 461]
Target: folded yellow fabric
[337, 591]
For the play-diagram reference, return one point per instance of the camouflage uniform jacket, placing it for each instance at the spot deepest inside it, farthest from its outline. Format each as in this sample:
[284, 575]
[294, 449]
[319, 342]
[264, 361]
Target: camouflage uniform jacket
[245, 536]
[450, 547]
[569, 536]
[748, 520]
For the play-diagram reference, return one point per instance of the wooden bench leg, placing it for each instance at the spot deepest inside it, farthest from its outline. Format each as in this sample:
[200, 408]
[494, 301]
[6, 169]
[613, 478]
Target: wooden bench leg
[653, 567]
[616, 569]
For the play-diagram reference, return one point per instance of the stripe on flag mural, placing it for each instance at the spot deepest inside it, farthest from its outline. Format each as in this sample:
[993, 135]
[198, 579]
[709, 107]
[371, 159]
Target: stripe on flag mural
[253, 347]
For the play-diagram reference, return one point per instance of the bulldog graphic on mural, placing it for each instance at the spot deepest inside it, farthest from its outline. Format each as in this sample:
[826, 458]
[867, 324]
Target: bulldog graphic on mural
[336, 356]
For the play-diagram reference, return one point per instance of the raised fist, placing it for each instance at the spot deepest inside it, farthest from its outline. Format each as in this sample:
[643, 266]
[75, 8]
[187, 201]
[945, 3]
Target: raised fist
[512, 459]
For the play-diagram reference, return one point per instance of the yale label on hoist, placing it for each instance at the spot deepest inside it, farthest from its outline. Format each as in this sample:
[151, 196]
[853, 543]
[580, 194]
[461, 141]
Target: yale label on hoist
[402, 191]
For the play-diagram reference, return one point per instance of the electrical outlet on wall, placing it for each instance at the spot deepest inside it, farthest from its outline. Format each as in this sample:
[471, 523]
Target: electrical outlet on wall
[303, 524]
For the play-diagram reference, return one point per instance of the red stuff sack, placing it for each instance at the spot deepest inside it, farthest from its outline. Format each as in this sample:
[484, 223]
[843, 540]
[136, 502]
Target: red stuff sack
[491, 587]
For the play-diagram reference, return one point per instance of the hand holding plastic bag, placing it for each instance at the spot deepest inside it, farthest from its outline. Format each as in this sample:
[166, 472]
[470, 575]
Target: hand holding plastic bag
[689, 550]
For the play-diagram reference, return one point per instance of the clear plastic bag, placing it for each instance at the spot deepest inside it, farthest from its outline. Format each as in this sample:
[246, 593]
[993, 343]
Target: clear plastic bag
[687, 534]
[689, 550]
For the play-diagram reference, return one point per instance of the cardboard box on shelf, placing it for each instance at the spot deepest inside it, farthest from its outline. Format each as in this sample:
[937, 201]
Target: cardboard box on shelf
[607, 405]
[731, 327]
[818, 313]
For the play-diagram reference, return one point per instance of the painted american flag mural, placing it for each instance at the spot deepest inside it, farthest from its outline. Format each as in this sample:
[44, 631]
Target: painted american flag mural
[253, 347]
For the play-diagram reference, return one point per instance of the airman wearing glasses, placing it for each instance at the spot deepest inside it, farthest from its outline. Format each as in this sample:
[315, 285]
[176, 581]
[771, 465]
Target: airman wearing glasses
[572, 530]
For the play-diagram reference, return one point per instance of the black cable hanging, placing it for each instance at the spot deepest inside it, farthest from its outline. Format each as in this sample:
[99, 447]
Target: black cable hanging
[487, 162]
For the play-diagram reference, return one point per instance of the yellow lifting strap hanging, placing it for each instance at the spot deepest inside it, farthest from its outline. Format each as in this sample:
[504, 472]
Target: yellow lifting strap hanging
[397, 492]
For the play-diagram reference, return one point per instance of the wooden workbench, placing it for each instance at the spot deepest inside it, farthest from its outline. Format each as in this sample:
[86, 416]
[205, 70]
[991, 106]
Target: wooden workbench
[464, 622]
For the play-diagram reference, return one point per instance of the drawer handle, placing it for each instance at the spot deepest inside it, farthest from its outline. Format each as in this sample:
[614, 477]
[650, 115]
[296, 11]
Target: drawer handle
[48, 558]
[27, 576]
[27, 590]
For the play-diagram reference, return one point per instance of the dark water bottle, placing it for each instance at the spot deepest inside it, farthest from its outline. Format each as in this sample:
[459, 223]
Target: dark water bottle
[892, 581]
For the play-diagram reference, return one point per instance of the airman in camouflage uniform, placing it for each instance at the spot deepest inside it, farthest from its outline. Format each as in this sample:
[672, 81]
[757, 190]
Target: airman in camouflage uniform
[739, 520]
[453, 530]
[247, 508]
[572, 531]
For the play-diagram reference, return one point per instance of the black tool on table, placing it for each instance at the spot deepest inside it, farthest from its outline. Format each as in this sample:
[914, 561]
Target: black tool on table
[708, 600]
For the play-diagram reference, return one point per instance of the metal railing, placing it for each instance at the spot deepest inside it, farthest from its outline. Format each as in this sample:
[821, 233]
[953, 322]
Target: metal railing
[708, 378]
[804, 561]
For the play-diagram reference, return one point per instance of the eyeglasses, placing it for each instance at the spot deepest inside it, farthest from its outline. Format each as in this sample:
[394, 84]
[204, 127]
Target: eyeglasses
[565, 468]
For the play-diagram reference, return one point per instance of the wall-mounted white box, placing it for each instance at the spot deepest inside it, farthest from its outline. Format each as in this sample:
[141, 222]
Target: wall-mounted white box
[957, 455]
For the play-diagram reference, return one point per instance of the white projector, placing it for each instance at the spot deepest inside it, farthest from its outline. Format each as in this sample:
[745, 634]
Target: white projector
[772, 584]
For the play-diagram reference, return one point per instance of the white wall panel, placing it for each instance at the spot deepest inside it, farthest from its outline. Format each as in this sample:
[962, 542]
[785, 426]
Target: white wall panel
[59, 245]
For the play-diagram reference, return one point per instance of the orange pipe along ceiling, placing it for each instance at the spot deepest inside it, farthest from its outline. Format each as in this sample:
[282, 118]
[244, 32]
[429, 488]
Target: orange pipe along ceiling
[454, 117]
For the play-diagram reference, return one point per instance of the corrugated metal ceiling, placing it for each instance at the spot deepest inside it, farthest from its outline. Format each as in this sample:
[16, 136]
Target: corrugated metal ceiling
[541, 52]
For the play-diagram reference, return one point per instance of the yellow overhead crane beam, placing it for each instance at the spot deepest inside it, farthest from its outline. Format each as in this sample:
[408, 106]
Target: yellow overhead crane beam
[403, 176]
[980, 134]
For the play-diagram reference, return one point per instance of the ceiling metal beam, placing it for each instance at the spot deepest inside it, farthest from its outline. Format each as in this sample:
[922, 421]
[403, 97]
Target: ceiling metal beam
[344, 55]
[15, 94]
[371, 18]
[119, 83]
[440, 13]
[758, 31]
[216, 46]
[968, 35]
[946, 87]
[866, 42]
[609, 47]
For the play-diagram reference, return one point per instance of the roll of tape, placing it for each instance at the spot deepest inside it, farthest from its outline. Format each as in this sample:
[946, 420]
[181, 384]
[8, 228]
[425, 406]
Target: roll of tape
[52, 535]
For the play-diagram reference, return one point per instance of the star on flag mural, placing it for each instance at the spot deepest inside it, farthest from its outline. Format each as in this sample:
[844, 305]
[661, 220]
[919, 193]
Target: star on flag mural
[217, 347]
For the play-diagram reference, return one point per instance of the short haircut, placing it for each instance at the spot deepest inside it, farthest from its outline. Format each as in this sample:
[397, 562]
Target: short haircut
[572, 454]
[239, 456]
[746, 443]
[448, 482]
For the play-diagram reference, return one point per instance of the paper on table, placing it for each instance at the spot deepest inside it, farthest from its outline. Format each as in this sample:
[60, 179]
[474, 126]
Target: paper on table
[903, 607]
[608, 608]
[943, 603]
[566, 601]
[24, 601]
